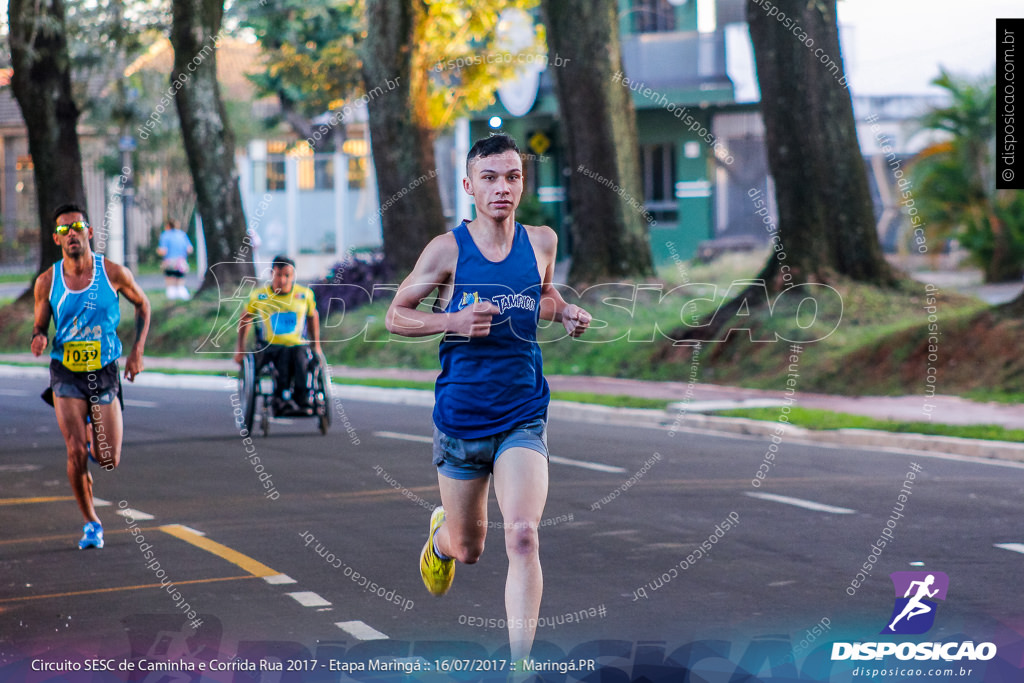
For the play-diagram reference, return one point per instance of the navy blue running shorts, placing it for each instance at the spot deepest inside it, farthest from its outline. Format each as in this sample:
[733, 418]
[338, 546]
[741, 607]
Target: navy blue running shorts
[97, 386]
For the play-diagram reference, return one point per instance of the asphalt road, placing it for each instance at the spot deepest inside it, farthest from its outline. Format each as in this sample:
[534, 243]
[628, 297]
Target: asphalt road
[279, 558]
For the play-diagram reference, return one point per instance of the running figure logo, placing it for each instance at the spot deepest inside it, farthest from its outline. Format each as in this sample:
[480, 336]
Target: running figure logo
[914, 611]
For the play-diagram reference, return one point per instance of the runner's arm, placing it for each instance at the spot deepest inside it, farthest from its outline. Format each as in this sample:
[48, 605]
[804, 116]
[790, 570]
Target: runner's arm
[313, 325]
[42, 312]
[124, 282]
[433, 270]
[552, 306]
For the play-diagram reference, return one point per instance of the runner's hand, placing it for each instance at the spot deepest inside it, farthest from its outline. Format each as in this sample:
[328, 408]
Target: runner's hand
[473, 320]
[575, 320]
[134, 365]
[39, 342]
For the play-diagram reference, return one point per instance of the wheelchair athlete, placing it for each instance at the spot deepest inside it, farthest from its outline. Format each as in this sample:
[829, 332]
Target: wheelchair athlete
[279, 309]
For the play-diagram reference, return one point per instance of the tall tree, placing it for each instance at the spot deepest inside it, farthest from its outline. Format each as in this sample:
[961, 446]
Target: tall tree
[42, 86]
[826, 225]
[322, 55]
[400, 132]
[609, 233]
[209, 142]
[826, 220]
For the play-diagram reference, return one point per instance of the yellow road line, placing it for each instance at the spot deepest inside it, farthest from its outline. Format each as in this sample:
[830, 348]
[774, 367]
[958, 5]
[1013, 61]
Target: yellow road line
[233, 556]
[44, 499]
[120, 588]
[107, 533]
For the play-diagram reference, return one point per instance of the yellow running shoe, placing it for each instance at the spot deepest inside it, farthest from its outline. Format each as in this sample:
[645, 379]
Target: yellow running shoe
[437, 573]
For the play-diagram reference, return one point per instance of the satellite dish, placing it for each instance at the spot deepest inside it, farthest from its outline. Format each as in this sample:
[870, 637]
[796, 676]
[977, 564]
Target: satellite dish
[518, 95]
[516, 33]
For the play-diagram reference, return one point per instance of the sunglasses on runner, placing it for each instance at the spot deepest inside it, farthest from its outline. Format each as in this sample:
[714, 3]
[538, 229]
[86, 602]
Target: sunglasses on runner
[78, 226]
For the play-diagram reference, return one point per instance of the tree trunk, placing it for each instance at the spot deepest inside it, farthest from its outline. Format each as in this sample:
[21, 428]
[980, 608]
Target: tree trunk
[609, 227]
[42, 86]
[209, 142]
[1001, 266]
[826, 220]
[402, 140]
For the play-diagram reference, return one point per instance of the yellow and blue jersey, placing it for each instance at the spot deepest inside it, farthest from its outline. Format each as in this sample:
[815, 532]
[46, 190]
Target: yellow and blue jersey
[283, 316]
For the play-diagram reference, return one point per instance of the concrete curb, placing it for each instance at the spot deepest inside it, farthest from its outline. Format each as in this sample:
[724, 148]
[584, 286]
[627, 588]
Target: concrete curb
[676, 419]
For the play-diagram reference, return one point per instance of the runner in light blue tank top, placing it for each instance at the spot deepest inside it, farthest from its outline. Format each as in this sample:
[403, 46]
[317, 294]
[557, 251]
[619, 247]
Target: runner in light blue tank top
[85, 315]
[493, 277]
[80, 293]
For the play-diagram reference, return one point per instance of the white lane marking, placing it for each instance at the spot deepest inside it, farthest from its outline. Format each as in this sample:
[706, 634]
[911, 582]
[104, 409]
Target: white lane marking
[1013, 547]
[800, 503]
[135, 403]
[100, 503]
[135, 514]
[360, 630]
[279, 579]
[309, 599]
[13, 392]
[19, 468]
[405, 437]
[197, 532]
[595, 466]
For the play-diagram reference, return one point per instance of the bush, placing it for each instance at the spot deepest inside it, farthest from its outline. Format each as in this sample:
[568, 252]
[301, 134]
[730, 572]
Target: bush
[349, 283]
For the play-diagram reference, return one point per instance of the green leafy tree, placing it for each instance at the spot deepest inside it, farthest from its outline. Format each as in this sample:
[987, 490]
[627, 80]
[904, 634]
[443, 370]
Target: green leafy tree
[954, 182]
[416, 65]
[312, 57]
[401, 50]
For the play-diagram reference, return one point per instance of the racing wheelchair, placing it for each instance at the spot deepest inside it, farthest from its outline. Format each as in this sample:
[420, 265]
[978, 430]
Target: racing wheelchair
[257, 383]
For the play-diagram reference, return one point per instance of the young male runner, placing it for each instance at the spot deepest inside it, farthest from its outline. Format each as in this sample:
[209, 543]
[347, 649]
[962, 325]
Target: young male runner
[80, 292]
[284, 308]
[493, 277]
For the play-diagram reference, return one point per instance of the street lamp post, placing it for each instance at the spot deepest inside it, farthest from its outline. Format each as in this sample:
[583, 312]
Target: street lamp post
[127, 146]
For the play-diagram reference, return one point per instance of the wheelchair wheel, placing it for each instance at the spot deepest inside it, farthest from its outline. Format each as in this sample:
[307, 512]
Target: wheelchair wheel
[265, 416]
[247, 392]
[322, 395]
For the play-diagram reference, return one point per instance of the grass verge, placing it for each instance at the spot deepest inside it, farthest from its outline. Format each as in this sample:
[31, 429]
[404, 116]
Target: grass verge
[812, 418]
[858, 340]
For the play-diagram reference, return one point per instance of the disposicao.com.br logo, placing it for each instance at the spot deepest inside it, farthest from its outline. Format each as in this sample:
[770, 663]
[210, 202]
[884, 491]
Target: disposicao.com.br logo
[914, 593]
[914, 611]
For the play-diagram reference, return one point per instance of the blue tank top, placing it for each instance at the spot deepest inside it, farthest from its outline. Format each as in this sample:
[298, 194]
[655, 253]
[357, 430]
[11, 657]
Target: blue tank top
[490, 384]
[83, 317]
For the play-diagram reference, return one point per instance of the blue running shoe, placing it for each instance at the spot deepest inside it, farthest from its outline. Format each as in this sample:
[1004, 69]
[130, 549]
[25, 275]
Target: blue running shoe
[93, 537]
